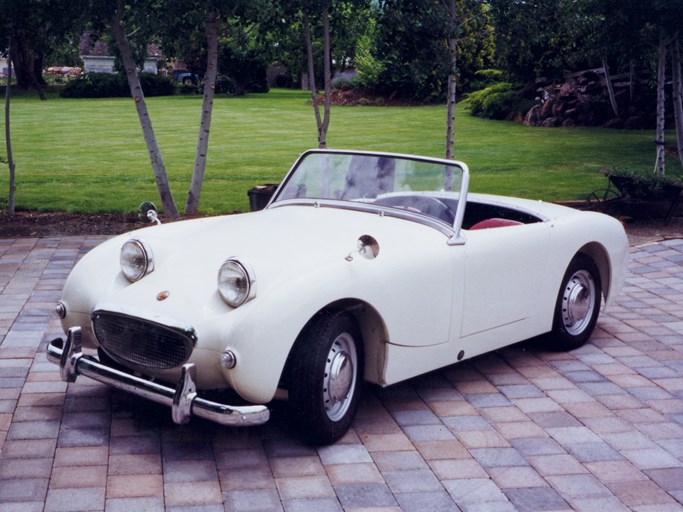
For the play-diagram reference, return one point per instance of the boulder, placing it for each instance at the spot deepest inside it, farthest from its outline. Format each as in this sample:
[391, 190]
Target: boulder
[533, 117]
[552, 122]
[615, 122]
[583, 98]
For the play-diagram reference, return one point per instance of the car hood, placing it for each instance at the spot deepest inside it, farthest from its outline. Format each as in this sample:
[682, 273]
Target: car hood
[304, 234]
[280, 244]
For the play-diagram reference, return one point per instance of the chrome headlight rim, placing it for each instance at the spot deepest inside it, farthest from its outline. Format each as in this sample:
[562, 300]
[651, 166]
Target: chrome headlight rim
[236, 292]
[134, 271]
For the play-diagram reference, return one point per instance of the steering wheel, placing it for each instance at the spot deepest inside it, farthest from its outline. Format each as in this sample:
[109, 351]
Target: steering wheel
[426, 205]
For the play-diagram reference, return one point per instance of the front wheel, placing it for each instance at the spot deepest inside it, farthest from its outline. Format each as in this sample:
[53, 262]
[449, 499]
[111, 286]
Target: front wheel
[325, 373]
[578, 304]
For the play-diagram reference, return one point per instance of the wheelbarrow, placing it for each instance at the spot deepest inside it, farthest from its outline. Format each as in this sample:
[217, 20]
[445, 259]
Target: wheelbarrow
[635, 196]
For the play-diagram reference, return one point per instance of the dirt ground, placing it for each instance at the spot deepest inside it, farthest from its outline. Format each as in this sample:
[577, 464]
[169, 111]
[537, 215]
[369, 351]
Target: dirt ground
[47, 224]
[646, 231]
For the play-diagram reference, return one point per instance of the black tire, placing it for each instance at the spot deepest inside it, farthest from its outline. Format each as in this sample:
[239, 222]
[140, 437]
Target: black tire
[325, 372]
[578, 305]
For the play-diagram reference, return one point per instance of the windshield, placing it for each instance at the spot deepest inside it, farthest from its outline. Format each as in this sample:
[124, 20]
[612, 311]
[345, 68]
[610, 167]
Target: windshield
[427, 187]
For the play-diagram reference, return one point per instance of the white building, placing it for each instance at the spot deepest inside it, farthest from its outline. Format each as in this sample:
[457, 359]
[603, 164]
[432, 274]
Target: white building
[96, 58]
[98, 63]
[105, 64]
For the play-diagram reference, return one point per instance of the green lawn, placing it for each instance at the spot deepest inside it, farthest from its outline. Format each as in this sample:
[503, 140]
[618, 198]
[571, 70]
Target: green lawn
[89, 155]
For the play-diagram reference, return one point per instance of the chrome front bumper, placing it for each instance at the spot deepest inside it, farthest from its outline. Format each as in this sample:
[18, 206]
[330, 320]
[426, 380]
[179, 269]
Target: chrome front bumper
[183, 400]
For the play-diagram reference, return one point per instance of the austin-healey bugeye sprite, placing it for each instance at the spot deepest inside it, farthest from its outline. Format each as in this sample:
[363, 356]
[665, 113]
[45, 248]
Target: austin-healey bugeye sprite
[363, 267]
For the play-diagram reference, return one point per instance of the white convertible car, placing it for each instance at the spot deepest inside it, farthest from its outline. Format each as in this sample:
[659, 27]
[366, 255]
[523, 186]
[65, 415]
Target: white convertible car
[363, 267]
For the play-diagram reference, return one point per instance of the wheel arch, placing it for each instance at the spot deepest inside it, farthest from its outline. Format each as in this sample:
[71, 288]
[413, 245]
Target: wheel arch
[599, 255]
[373, 332]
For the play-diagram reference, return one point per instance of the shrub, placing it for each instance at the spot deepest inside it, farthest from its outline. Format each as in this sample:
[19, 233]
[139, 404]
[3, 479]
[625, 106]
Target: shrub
[367, 66]
[643, 185]
[498, 101]
[156, 85]
[247, 71]
[225, 85]
[342, 83]
[188, 89]
[645, 177]
[485, 78]
[108, 85]
[96, 85]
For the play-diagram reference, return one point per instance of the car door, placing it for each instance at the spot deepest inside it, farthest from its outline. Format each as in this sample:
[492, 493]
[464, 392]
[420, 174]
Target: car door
[504, 271]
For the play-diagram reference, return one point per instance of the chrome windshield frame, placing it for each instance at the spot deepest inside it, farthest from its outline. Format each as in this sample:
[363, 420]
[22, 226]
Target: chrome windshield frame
[453, 232]
[382, 211]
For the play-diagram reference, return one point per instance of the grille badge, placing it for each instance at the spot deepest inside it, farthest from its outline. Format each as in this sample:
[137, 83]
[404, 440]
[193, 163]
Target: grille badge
[163, 295]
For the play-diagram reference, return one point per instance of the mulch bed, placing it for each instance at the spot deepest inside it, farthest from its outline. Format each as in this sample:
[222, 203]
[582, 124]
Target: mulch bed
[30, 223]
[27, 223]
[46, 224]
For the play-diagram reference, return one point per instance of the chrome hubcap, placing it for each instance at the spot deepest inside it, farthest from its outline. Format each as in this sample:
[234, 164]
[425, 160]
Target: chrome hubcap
[578, 302]
[339, 381]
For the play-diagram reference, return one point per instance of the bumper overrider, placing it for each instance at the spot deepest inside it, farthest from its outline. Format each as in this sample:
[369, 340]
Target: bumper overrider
[183, 400]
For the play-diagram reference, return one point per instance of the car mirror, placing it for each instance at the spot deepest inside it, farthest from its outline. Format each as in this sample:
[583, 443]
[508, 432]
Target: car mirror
[147, 212]
[367, 247]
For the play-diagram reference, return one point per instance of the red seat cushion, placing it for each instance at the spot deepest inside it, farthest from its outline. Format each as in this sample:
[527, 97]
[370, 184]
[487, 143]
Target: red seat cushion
[495, 223]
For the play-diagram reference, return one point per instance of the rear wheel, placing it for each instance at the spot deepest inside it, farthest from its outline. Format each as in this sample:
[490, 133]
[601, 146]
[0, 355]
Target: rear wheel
[578, 304]
[325, 372]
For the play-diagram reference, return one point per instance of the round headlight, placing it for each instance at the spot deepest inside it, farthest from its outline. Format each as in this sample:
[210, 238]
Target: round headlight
[236, 283]
[136, 260]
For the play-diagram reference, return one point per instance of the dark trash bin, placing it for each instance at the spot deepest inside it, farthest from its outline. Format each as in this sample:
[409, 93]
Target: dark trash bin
[260, 195]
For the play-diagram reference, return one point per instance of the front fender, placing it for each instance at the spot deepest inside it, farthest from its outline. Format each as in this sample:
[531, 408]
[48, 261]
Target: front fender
[80, 293]
[412, 313]
[263, 335]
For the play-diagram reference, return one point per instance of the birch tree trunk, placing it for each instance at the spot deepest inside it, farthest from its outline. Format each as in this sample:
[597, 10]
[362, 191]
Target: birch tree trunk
[8, 141]
[322, 121]
[311, 75]
[610, 87]
[452, 85]
[661, 78]
[145, 121]
[677, 94]
[327, 69]
[192, 204]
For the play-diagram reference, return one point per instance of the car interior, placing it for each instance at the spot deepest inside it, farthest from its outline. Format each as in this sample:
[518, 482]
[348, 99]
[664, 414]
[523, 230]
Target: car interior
[477, 215]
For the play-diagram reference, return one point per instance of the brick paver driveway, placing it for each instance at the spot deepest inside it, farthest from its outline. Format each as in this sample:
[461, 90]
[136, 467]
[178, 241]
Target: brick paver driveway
[600, 428]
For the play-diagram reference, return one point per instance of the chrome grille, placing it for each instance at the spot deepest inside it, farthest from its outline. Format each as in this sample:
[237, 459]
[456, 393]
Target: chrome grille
[142, 343]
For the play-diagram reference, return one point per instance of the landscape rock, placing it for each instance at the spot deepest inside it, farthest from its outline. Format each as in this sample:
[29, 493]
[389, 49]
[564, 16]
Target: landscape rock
[582, 99]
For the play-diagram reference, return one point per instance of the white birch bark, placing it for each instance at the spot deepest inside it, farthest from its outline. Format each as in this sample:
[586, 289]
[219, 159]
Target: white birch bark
[677, 94]
[452, 85]
[610, 88]
[322, 120]
[661, 78]
[155, 157]
[311, 75]
[192, 204]
[8, 140]
[327, 69]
